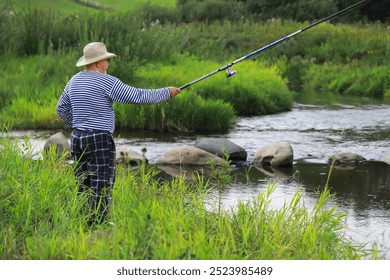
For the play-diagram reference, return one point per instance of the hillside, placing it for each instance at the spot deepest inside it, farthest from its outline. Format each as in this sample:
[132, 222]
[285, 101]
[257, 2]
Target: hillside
[76, 6]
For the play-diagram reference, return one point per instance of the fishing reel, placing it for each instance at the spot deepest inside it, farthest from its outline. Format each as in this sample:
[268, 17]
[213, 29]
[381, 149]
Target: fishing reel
[230, 73]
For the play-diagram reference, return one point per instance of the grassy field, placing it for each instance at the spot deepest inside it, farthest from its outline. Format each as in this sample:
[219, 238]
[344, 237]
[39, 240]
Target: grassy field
[77, 6]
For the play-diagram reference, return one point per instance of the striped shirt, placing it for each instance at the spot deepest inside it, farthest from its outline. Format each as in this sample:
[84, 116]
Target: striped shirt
[87, 101]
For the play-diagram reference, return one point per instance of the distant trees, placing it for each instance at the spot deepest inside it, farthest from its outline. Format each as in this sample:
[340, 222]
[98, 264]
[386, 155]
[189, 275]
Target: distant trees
[299, 10]
[377, 10]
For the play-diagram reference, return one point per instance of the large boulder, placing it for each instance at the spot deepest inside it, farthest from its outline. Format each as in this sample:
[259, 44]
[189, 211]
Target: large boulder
[58, 142]
[277, 154]
[191, 156]
[128, 156]
[222, 148]
[345, 160]
[386, 159]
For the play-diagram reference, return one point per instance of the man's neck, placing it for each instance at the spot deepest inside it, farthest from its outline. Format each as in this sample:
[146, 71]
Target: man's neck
[92, 68]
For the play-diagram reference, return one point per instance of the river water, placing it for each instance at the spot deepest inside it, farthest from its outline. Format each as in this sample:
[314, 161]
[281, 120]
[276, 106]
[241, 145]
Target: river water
[315, 132]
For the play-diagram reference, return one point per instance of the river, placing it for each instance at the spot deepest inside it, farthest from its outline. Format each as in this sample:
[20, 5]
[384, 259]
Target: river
[315, 131]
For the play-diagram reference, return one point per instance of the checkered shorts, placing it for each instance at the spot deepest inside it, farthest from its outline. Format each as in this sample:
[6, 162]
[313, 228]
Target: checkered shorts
[94, 153]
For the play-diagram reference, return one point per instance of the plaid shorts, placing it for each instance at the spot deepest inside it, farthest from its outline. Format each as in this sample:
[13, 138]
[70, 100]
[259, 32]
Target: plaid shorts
[94, 153]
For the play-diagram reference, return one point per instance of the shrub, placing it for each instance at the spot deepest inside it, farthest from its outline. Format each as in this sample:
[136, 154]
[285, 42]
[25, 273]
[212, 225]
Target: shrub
[356, 79]
[187, 112]
[257, 89]
[157, 14]
[210, 10]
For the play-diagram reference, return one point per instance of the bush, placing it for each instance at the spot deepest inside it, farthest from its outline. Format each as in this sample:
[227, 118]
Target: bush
[210, 10]
[187, 112]
[257, 89]
[157, 14]
[356, 79]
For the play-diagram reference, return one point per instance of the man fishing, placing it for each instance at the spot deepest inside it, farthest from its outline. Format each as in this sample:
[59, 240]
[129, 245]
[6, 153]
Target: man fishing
[86, 105]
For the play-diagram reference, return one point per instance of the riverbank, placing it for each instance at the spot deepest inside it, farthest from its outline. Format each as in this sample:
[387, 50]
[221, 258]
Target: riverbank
[150, 221]
[357, 126]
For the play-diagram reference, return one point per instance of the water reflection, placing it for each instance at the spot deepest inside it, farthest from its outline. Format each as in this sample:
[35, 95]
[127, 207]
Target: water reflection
[366, 186]
[362, 192]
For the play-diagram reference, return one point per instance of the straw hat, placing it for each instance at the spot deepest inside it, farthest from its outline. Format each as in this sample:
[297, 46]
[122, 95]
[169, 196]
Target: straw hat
[94, 52]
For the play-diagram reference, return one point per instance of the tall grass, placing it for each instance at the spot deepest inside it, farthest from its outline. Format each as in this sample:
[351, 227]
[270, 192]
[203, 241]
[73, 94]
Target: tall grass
[155, 219]
[30, 88]
[37, 32]
[37, 199]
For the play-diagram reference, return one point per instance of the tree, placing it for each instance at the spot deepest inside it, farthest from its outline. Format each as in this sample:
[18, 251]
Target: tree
[300, 10]
[377, 10]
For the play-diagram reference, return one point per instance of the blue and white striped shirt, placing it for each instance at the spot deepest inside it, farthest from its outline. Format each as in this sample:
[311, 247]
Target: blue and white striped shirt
[87, 101]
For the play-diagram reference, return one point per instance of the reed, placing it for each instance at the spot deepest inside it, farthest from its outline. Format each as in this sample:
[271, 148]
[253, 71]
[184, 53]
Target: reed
[156, 219]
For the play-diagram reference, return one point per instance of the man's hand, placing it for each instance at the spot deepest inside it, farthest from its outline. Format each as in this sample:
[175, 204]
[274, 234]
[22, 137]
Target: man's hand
[173, 91]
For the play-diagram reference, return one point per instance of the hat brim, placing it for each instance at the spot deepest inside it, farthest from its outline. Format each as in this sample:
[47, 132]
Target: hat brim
[83, 61]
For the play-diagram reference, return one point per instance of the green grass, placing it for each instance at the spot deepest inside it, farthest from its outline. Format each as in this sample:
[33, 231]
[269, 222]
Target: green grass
[128, 5]
[63, 6]
[156, 219]
[75, 7]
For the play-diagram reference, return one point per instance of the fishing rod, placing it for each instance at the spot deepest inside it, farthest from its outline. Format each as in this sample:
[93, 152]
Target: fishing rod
[231, 73]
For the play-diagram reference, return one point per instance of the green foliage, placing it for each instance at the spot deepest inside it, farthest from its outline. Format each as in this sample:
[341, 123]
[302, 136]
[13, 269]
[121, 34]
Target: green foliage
[294, 70]
[326, 42]
[157, 14]
[255, 90]
[210, 10]
[154, 219]
[338, 45]
[25, 113]
[39, 49]
[37, 198]
[345, 44]
[30, 88]
[355, 79]
[299, 10]
[39, 32]
[187, 112]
